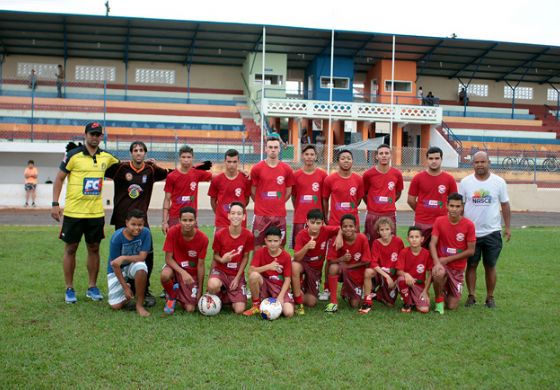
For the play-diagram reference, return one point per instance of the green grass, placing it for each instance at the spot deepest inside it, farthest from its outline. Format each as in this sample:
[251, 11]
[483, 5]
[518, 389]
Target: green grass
[45, 343]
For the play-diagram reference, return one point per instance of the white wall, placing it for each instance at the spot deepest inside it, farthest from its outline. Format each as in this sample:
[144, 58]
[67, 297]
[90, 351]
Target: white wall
[450, 156]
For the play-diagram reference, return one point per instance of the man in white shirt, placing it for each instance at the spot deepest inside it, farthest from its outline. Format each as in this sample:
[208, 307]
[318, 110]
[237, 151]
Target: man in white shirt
[485, 194]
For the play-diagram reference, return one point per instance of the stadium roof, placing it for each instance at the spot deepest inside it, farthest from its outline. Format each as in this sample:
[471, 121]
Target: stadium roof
[210, 43]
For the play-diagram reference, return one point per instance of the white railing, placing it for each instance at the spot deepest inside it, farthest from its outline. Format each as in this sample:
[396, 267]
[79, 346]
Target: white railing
[351, 111]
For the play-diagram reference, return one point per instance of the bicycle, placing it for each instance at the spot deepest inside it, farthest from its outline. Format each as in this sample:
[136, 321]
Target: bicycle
[523, 163]
[551, 164]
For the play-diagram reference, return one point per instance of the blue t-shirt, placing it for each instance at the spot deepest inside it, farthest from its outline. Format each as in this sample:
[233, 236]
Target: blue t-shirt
[121, 246]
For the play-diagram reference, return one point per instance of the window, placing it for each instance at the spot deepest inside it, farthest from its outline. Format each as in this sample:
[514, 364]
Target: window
[400, 86]
[155, 76]
[269, 79]
[475, 89]
[338, 82]
[95, 73]
[520, 92]
[294, 87]
[43, 71]
[552, 94]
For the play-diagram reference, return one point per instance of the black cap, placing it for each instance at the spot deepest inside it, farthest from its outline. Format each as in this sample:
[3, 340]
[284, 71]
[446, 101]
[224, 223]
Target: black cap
[94, 127]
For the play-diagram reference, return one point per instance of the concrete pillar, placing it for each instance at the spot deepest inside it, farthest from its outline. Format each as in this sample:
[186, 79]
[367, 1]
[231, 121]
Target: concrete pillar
[338, 132]
[397, 143]
[293, 131]
[424, 142]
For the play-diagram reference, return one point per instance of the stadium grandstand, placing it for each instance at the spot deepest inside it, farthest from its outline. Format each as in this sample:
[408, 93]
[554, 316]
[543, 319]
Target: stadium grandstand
[222, 85]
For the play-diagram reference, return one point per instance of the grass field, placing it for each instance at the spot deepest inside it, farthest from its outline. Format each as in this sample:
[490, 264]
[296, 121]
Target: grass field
[45, 343]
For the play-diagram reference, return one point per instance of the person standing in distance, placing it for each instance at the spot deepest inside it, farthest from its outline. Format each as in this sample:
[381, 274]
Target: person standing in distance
[84, 166]
[485, 193]
[30, 174]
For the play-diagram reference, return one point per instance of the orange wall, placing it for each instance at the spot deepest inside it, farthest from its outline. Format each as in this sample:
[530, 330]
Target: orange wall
[381, 71]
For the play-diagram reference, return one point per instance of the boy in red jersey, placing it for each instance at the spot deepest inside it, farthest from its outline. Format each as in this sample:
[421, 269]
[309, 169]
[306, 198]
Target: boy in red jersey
[428, 193]
[384, 255]
[383, 186]
[309, 256]
[349, 262]
[181, 188]
[306, 193]
[227, 187]
[414, 273]
[270, 274]
[182, 277]
[453, 242]
[231, 252]
[271, 187]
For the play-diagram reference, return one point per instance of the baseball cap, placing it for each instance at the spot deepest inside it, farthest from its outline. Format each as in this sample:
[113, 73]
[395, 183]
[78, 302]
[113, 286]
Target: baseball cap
[94, 127]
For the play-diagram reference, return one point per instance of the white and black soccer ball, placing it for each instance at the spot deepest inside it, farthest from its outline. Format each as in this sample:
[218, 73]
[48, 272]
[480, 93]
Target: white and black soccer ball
[270, 309]
[209, 305]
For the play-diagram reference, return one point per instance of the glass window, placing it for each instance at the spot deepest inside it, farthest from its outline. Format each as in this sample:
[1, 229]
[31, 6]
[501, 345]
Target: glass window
[269, 79]
[400, 86]
[155, 76]
[525, 93]
[338, 82]
[552, 94]
[95, 73]
[43, 71]
[475, 89]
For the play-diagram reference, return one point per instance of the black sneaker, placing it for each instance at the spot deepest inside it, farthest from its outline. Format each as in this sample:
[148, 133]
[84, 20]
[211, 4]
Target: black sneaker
[490, 303]
[471, 301]
[149, 299]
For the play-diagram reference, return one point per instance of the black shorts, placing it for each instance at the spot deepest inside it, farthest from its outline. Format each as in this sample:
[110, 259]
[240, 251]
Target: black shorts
[488, 247]
[73, 229]
[30, 186]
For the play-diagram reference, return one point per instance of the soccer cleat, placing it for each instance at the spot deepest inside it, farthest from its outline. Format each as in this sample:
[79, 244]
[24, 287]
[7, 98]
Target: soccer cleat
[300, 310]
[406, 308]
[252, 311]
[70, 296]
[490, 303]
[149, 299]
[169, 307]
[366, 308]
[471, 301]
[324, 295]
[331, 308]
[439, 308]
[94, 294]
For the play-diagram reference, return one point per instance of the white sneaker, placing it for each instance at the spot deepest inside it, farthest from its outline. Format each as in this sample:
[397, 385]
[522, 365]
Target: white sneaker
[324, 295]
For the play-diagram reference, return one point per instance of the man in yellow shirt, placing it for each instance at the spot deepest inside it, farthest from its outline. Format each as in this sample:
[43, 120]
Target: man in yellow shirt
[30, 175]
[85, 168]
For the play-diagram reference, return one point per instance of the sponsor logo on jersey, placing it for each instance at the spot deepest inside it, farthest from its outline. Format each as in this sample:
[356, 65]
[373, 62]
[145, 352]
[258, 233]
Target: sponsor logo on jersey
[191, 253]
[460, 237]
[420, 268]
[237, 192]
[188, 264]
[394, 256]
[308, 199]
[315, 186]
[193, 185]
[185, 199]
[144, 178]
[269, 195]
[128, 176]
[391, 185]
[353, 191]
[92, 186]
[344, 206]
[280, 180]
[323, 245]
[357, 256]
[134, 191]
[441, 189]
[482, 198]
[433, 204]
[451, 251]
[382, 199]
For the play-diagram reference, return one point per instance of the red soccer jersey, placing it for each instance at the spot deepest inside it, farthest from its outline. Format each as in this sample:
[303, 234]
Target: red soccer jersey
[227, 191]
[271, 184]
[359, 250]
[386, 256]
[186, 253]
[431, 192]
[453, 239]
[316, 257]
[183, 188]
[345, 194]
[307, 193]
[262, 257]
[381, 189]
[415, 265]
[224, 242]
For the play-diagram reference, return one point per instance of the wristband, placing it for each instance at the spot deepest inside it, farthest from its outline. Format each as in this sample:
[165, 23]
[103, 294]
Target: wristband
[53, 204]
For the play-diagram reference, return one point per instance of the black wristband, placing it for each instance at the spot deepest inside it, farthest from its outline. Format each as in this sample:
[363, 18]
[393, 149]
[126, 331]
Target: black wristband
[55, 204]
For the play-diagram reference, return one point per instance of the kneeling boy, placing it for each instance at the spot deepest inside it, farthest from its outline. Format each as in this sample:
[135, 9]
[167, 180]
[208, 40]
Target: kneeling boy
[128, 250]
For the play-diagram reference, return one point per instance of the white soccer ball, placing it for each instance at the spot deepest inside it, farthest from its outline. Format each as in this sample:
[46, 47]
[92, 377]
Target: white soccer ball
[270, 309]
[209, 305]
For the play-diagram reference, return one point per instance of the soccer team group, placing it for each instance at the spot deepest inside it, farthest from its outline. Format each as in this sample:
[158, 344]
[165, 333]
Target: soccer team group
[452, 231]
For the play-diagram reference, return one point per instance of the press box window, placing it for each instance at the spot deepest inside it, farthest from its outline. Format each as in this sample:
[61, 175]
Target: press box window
[270, 79]
[338, 82]
[400, 86]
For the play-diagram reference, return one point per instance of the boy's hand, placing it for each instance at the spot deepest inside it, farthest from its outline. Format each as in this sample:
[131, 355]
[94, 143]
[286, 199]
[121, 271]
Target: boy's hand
[234, 283]
[128, 292]
[187, 278]
[409, 280]
[275, 266]
[280, 301]
[425, 295]
[390, 282]
[311, 244]
[226, 258]
[56, 213]
[347, 256]
[338, 242]
[438, 270]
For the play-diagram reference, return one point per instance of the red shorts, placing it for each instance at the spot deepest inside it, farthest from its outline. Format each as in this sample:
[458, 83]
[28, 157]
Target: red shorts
[227, 295]
[186, 294]
[454, 285]
[384, 294]
[261, 223]
[351, 286]
[415, 297]
[426, 232]
[312, 280]
[371, 219]
[296, 228]
[270, 289]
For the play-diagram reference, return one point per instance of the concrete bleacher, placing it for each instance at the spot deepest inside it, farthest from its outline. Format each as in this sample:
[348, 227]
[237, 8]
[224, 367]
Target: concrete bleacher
[486, 112]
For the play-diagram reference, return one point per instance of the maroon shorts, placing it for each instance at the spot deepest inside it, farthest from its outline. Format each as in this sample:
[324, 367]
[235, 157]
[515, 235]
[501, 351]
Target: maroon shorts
[186, 294]
[352, 287]
[270, 289]
[312, 279]
[371, 219]
[414, 293]
[261, 223]
[454, 285]
[296, 228]
[227, 295]
[426, 232]
[384, 293]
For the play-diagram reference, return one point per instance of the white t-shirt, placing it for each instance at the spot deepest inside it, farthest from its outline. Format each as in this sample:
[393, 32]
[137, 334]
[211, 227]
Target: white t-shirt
[483, 202]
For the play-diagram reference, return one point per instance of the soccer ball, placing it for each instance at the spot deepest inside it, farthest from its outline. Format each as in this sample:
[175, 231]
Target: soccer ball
[209, 305]
[270, 309]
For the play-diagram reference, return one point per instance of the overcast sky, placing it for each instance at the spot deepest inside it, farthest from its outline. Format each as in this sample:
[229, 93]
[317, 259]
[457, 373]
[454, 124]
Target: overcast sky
[535, 21]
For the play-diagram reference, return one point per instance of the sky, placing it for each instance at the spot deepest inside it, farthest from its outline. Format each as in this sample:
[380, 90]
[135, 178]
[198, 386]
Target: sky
[522, 21]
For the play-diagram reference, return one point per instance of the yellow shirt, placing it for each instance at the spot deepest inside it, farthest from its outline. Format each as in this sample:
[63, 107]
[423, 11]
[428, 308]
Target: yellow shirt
[85, 182]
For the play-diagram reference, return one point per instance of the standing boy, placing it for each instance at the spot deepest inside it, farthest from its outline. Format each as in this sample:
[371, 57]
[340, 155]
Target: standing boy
[30, 174]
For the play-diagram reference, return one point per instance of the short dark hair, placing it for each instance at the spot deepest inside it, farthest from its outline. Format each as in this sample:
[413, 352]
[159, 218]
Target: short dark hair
[415, 229]
[307, 147]
[186, 149]
[135, 213]
[434, 149]
[268, 139]
[273, 231]
[383, 146]
[455, 196]
[138, 143]
[237, 204]
[342, 151]
[31, 162]
[187, 209]
[231, 153]
[315, 214]
[347, 216]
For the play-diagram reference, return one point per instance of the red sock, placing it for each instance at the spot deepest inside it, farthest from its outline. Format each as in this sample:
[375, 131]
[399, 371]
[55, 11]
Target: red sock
[256, 301]
[333, 287]
[403, 288]
[298, 300]
[168, 287]
[440, 299]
